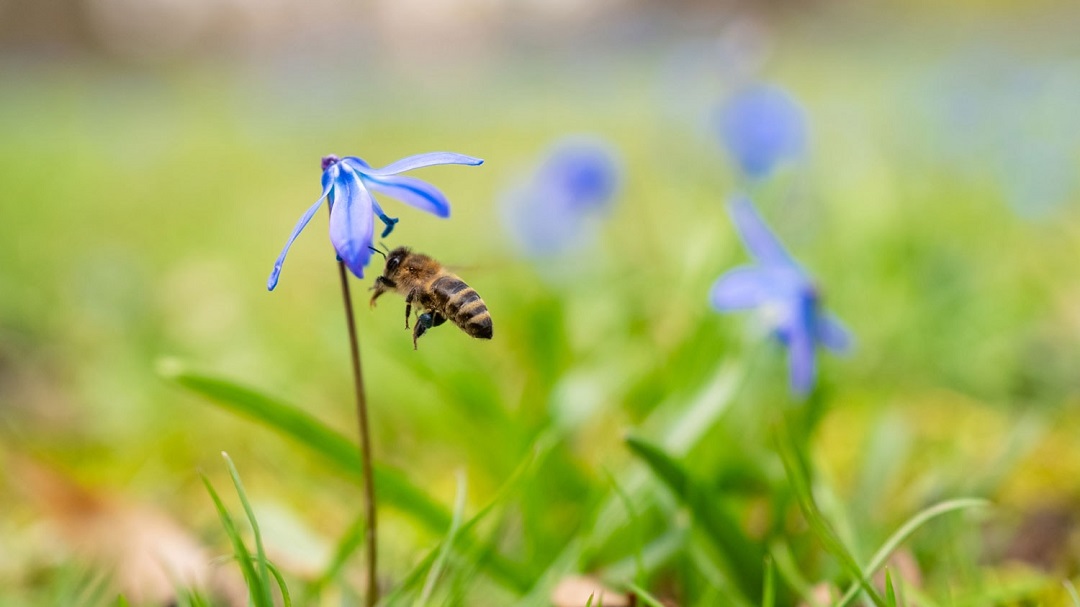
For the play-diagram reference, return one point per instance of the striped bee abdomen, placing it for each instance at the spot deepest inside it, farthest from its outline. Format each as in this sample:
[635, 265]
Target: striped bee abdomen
[462, 304]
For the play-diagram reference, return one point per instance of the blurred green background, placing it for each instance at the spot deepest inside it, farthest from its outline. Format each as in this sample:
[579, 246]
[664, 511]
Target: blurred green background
[154, 156]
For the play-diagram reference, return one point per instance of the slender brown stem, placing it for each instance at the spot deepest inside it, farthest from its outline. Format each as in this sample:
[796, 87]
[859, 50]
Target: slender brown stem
[365, 440]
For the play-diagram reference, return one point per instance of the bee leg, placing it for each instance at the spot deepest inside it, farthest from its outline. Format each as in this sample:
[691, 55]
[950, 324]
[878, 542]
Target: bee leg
[382, 285]
[408, 306]
[423, 323]
[430, 319]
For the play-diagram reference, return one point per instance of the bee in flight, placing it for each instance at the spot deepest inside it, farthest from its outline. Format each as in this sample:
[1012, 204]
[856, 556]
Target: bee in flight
[435, 290]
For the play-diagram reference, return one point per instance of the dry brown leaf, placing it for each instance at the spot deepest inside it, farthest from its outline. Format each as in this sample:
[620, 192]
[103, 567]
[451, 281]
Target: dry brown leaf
[821, 594]
[575, 590]
[147, 553]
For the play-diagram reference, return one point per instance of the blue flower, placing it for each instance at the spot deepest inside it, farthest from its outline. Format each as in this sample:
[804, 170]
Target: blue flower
[782, 290]
[346, 183]
[761, 126]
[577, 180]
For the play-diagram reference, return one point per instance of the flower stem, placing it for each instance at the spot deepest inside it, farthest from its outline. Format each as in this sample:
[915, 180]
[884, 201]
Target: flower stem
[365, 440]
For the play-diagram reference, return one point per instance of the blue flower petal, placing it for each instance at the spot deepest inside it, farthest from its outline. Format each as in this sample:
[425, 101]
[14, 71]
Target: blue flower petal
[800, 343]
[757, 236]
[412, 162]
[740, 289]
[352, 221]
[833, 334]
[413, 192]
[300, 225]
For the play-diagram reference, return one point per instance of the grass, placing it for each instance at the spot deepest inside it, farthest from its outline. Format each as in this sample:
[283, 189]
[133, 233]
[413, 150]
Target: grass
[615, 426]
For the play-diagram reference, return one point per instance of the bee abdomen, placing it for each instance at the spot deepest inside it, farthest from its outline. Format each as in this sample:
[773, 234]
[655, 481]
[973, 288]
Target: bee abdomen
[446, 287]
[462, 304]
[479, 325]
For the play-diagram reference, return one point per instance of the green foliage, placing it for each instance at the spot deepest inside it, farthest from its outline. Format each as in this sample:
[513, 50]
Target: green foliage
[742, 556]
[292, 421]
[890, 592]
[142, 209]
[798, 477]
[390, 486]
[444, 548]
[256, 570]
[905, 531]
[768, 594]
[645, 596]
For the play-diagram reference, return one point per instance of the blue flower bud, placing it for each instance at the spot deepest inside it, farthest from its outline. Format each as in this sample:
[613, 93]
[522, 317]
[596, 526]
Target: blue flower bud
[760, 127]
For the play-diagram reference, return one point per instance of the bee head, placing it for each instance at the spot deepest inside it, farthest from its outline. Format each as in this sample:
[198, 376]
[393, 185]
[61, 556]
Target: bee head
[394, 259]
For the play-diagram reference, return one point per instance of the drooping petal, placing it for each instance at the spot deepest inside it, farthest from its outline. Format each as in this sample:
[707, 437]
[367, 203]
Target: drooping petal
[352, 221]
[740, 289]
[832, 333]
[327, 182]
[413, 192]
[800, 343]
[756, 235]
[412, 162]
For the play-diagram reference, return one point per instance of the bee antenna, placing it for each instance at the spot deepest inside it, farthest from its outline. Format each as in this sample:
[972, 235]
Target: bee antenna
[378, 251]
[385, 248]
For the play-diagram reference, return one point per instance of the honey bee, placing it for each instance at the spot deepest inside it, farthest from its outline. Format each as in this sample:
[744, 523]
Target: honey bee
[435, 290]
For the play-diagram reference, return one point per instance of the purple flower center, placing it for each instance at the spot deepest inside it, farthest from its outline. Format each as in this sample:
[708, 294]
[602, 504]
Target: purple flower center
[329, 161]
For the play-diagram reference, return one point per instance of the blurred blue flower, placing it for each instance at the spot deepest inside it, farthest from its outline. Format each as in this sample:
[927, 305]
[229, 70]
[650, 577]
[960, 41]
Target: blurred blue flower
[761, 126]
[346, 183]
[783, 292]
[576, 180]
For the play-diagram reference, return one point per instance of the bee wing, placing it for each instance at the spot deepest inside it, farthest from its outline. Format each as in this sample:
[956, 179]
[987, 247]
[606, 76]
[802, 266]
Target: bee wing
[473, 269]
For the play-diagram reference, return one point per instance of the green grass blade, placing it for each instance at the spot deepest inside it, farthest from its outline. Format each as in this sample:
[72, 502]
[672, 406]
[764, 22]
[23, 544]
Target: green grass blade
[260, 552]
[392, 488]
[700, 412]
[768, 594]
[540, 449]
[447, 544]
[286, 598]
[1072, 592]
[347, 545]
[742, 555]
[890, 592]
[588, 603]
[703, 561]
[645, 597]
[631, 512]
[798, 478]
[905, 531]
[241, 554]
[191, 598]
[412, 579]
[785, 565]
